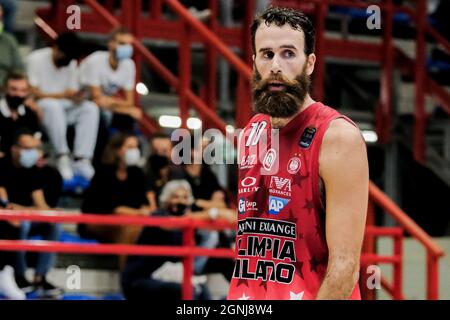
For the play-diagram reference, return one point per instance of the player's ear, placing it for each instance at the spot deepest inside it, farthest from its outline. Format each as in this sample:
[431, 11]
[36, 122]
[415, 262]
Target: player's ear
[253, 58]
[310, 62]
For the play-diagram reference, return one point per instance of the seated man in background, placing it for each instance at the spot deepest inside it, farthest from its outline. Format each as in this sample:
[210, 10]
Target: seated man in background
[22, 185]
[54, 79]
[110, 79]
[10, 59]
[17, 110]
[154, 277]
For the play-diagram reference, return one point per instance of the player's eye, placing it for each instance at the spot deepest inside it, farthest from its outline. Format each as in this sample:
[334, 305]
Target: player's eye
[288, 54]
[268, 55]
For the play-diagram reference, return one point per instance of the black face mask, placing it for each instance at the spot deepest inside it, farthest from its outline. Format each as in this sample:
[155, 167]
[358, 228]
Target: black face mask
[14, 101]
[179, 210]
[62, 62]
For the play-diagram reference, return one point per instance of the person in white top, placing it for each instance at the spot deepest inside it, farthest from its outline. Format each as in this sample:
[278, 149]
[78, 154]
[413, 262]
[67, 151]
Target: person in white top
[53, 75]
[110, 75]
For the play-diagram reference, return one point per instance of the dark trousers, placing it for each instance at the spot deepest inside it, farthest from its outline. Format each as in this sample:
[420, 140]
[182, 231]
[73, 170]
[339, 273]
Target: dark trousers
[8, 232]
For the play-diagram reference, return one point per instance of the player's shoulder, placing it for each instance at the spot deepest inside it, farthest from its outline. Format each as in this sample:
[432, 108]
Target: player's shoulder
[343, 134]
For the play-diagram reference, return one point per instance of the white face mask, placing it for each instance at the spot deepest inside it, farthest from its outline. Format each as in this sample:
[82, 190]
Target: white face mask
[132, 157]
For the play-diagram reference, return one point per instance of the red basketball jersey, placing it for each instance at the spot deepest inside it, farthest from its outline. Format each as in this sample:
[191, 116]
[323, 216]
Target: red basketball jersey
[281, 250]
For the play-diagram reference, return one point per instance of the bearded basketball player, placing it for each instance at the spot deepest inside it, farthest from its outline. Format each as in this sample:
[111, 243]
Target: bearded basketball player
[301, 225]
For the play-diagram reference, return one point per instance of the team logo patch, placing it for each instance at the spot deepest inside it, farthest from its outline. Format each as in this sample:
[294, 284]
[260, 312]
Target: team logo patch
[277, 204]
[294, 165]
[269, 159]
[307, 137]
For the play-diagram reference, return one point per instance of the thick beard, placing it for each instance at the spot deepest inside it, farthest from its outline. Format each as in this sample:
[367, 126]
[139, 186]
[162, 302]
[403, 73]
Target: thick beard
[280, 104]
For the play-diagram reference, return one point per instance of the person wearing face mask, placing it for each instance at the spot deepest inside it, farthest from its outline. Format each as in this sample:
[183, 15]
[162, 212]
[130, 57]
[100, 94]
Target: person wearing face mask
[10, 58]
[53, 75]
[118, 187]
[22, 186]
[152, 277]
[17, 110]
[110, 79]
[160, 168]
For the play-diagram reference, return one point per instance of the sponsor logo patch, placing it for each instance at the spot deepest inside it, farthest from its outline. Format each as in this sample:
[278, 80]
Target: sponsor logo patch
[276, 204]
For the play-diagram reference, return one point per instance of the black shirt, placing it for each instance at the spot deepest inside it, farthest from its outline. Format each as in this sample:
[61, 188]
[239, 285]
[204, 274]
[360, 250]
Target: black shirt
[26, 119]
[106, 192]
[19, 182]
[138, 267]
[204, 185]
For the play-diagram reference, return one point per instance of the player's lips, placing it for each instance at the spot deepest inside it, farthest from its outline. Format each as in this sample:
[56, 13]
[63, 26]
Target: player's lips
[276, 86]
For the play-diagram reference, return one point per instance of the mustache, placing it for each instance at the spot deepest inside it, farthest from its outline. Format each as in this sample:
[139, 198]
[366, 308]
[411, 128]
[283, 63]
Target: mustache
[263, 85]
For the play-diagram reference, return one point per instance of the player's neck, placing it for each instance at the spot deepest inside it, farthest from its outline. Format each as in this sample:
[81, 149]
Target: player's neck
[278, 123]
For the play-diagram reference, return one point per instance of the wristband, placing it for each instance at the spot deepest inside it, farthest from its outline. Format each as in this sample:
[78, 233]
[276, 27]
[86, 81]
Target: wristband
[213, 213]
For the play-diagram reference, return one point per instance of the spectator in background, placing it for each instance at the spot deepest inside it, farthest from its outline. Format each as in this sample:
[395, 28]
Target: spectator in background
[203, 181]
[110, 79]
[153, 277]
[160, 168]
[118, 187]
[53, 76]
[17, 110]
[10, 59]
[9, 15]
[22, 186]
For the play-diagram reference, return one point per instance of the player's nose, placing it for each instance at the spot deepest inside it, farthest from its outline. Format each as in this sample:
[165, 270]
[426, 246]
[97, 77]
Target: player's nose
[275, 66]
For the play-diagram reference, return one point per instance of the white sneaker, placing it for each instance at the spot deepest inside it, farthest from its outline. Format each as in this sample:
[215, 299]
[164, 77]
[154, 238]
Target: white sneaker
[8, 285]
[64, 167]
[84, 168]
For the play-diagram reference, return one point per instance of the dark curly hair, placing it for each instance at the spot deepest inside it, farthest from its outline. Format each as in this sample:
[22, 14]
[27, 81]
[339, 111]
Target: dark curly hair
[281, 16]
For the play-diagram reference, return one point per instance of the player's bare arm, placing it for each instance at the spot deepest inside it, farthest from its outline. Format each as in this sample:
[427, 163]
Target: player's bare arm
[343, 168]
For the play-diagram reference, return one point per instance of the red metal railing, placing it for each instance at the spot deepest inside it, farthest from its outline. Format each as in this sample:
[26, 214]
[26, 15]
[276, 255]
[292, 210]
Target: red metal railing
[434, 252]
[188, 251]
[369, 258]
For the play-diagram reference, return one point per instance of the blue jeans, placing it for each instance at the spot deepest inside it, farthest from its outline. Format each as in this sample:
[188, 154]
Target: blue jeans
[9, 14]
[210, 240]
[45, 261]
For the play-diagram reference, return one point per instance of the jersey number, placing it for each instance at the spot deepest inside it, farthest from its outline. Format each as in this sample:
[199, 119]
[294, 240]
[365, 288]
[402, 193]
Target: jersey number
[255, 134]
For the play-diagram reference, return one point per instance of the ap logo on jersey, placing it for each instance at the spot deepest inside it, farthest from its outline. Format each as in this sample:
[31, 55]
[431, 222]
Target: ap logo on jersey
[277, 204]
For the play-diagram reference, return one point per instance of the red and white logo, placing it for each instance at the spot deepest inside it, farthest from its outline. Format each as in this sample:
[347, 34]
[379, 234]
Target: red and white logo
[280, 186]
[294, 165]
[248, 185]
[269, 159]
